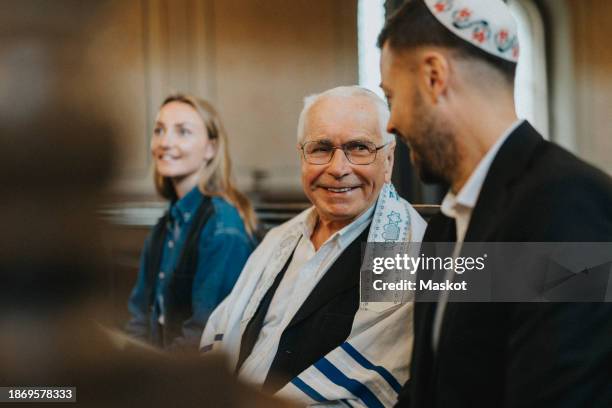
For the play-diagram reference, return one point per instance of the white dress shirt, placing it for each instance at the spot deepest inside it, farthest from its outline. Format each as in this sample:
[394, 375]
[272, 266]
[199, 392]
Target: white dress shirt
[307, 267]
[459, 207]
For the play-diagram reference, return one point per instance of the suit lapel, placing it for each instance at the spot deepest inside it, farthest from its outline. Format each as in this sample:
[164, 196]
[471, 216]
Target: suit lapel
[509, 163]
[343, 275]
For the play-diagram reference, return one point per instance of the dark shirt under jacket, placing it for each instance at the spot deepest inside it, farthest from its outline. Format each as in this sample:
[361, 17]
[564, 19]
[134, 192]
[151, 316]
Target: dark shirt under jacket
[321, 324]
[189, 264]
[519, 354]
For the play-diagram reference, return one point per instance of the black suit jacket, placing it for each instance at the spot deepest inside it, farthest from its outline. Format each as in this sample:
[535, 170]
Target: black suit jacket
[517, 354]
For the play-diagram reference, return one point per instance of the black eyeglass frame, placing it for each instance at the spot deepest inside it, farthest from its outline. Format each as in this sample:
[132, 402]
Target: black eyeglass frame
[343, 147]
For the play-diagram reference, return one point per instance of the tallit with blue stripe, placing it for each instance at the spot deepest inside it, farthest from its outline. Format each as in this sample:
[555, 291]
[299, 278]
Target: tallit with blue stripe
[369, 368]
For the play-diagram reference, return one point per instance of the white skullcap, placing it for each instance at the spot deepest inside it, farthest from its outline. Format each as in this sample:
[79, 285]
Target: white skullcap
[487, 24]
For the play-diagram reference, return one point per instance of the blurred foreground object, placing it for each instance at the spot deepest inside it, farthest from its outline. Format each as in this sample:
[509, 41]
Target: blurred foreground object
[57, 157]
[52, 272]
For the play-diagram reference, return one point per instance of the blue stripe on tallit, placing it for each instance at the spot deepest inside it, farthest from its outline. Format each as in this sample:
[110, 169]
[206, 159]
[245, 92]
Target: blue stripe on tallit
[358, 357]
[308, 390]
[355, 387]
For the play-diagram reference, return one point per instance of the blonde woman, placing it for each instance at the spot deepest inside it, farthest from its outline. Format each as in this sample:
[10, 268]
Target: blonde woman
[195, 253]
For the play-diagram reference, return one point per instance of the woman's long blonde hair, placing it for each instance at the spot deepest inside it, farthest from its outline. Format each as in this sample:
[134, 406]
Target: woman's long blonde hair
[215, 176]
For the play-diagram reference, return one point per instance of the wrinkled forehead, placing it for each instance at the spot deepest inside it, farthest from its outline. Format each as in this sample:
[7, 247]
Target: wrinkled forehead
[341, 119]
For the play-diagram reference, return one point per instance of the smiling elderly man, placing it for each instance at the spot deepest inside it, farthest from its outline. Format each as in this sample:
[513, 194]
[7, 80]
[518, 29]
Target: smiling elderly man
[294, 324]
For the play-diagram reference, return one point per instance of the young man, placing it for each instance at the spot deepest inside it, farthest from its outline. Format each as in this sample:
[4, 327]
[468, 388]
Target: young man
[448, 73]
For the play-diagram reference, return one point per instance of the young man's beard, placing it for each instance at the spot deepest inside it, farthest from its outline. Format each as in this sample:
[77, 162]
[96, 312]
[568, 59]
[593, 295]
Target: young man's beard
[433, 146]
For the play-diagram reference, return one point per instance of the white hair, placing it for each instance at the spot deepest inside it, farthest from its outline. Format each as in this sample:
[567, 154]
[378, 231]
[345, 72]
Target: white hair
[347, 92]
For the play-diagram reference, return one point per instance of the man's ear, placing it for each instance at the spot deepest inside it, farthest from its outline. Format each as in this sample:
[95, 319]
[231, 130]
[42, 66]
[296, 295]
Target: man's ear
[389, 159]
[435, 74]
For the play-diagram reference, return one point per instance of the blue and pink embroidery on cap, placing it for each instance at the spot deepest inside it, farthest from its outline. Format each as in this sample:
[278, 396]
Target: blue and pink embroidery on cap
[464, 19]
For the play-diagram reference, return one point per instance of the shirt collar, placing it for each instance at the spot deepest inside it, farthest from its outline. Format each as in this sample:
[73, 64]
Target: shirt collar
[468, 195]
[183, 209]
[311, 218]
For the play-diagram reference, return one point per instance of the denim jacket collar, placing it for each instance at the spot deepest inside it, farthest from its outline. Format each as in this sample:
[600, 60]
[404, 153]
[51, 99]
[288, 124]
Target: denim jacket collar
[183, 209]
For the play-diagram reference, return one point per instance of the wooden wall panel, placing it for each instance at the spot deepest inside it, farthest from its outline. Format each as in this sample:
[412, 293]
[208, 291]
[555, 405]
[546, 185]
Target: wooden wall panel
[269, 55]
[116, 61]
[591, 29]
[254, 59]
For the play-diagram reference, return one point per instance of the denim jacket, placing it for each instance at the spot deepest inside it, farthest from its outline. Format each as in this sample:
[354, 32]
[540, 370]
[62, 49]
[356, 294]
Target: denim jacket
[222, 250]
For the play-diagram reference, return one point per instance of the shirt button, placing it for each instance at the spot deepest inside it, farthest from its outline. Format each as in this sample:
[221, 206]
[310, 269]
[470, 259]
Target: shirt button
[170, 244]
[186, 216]
[162, 275]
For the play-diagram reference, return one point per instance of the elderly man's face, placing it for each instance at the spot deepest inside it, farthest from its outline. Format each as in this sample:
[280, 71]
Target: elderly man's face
[340, 190]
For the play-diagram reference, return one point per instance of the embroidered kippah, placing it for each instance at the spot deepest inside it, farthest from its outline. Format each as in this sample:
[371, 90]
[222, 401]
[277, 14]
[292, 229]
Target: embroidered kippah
[487, 24]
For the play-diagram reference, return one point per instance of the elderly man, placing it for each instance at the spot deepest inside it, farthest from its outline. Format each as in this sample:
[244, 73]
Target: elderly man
[448, 72]
[293, 323]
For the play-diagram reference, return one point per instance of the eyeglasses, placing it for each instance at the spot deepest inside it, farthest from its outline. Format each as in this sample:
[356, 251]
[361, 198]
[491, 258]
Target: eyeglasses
[357, 152]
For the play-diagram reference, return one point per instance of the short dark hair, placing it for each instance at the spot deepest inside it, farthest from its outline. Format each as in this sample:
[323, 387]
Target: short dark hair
[413, 26]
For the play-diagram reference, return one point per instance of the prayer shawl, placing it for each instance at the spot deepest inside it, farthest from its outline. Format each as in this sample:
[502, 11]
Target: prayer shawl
[369, 368]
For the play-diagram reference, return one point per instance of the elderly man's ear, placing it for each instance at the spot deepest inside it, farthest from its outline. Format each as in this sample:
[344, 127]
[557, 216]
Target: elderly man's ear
[389, 158]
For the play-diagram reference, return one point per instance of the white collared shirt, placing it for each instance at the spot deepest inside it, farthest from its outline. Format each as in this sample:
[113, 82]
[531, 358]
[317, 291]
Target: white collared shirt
[307, 267]
[460, 207]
